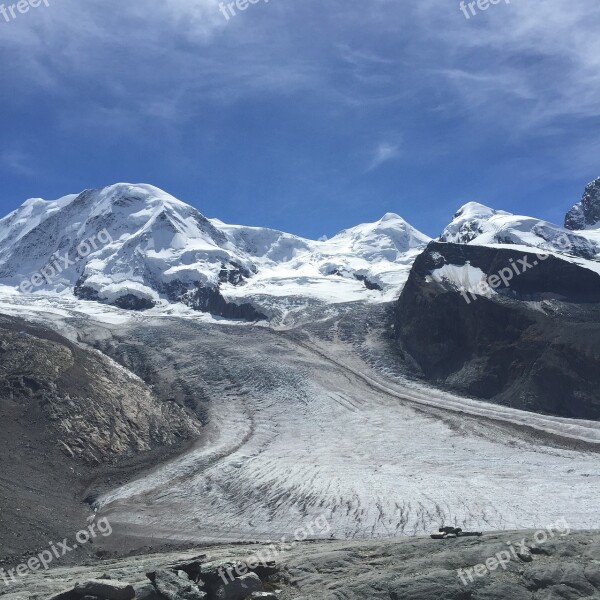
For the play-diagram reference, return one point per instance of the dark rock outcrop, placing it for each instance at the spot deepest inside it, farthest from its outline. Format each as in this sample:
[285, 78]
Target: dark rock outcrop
[201, 298]
[534, 344]
[133, 302]
[586, 214]
[126, 302]
[146, 591]
[105, 589]
[210, 300]
[370, 285]
[68, 412]
[240, 588]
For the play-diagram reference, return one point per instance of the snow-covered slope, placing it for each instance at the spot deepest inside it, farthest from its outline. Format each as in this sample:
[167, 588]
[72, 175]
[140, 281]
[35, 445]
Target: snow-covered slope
[372, 250]
[479, 225]
[124, 240]
[370, 261]
[136, 246]
[267, 247]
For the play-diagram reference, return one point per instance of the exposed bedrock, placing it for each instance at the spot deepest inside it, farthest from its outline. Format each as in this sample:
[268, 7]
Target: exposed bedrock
[561, 566]
[70, 414]
[533, 345]
[201, 298]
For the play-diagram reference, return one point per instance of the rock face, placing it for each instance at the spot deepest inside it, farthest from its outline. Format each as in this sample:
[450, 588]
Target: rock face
[99, 412]
[586, 214]
[534, 344]
[68, 412]
[212, 301]
[105, 589]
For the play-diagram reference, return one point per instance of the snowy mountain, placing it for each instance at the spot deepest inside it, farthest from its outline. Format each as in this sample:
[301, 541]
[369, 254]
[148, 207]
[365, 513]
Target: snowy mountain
[370, 262]
[135, 246]
[125, 245]
[479, 225]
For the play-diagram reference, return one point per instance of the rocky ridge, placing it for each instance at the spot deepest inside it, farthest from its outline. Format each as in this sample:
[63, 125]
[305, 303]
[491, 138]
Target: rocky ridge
[586, 214]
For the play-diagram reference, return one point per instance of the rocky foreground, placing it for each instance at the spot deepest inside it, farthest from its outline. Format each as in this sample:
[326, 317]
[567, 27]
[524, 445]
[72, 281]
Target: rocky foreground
[499, 566]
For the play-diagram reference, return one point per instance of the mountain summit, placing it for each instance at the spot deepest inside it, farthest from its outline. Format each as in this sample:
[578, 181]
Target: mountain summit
[480, 225]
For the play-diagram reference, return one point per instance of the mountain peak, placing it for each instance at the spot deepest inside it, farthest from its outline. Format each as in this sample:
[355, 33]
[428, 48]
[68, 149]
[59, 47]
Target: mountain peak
[480, 225]
[469, 222]
[477, 210]
[586, 214]
[390, 216]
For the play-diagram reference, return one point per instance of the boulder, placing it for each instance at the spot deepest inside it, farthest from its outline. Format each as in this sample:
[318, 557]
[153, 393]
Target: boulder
[240, 588]
[525, 556]
[146, 591]
[105, 589]
[563, 575]
[173, 587]
[539, 550]
[574, 576]
[265, 569]
[218, 573]
[192, 567]
[450, 530]
[263, 596]
[544, 576]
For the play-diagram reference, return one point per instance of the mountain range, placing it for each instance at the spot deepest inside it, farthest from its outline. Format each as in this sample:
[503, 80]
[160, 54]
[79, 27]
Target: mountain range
[195, 382]
[160, 251]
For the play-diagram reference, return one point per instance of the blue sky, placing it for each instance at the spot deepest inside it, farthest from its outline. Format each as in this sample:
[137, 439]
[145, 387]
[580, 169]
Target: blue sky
[301, 115]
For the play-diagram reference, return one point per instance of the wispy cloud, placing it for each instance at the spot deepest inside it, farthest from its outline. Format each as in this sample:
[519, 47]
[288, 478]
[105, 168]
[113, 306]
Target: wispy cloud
[324, 85]
[530, 67]
[383, 153]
